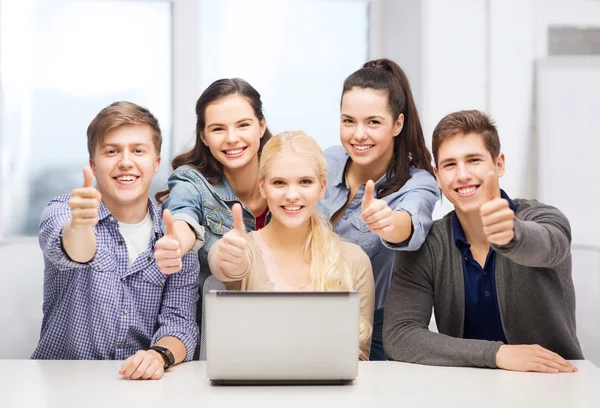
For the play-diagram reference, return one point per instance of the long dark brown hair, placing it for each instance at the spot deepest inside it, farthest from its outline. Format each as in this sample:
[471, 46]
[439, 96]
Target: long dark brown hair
[409, 146]
[200, 157]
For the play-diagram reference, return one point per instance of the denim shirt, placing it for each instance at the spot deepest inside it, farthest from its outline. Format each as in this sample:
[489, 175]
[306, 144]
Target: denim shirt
[206, 208]
[417, 197]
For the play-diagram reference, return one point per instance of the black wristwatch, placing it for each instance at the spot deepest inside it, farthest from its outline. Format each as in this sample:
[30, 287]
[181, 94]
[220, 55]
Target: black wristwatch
[166, 355]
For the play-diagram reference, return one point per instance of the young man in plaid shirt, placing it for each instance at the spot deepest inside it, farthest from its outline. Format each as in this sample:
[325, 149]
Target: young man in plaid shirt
[104, 294]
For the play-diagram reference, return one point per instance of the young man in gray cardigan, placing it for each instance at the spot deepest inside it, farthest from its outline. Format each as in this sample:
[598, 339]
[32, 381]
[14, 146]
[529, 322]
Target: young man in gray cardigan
[496, 271]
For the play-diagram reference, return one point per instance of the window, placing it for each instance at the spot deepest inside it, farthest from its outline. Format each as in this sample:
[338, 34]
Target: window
[61, 62]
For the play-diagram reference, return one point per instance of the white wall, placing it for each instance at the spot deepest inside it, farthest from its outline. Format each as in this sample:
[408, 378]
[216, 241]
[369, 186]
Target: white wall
[586, 279]
[186, 71]
[511, 90]
[479, 54]
[396, 34]
[568, 96]
[519, 37]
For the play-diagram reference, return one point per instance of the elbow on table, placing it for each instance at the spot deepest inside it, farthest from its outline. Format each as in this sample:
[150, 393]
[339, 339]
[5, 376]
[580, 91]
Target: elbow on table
[397, 344]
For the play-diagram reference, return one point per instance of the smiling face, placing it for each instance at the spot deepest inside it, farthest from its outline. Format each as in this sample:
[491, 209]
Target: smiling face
[292, 188]
[367, 128]
[124, 164]
[232, 132]
[463, 163]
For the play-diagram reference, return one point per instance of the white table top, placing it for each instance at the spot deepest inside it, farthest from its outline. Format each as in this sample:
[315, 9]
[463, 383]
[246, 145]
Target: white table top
[26, 383]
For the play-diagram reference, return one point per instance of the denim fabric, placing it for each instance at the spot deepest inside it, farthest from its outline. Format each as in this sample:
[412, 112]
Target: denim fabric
[207, 209]
[417, 197]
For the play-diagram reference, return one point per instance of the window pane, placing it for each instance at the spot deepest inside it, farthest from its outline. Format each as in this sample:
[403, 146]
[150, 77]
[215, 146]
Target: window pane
[61, 62]
[296, 53]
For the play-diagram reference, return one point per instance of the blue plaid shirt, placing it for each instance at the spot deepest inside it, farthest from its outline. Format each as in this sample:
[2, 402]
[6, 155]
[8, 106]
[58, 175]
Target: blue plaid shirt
[104, 310]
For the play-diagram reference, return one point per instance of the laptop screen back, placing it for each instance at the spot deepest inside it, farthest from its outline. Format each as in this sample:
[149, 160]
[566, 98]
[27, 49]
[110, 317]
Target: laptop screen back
[282, 335]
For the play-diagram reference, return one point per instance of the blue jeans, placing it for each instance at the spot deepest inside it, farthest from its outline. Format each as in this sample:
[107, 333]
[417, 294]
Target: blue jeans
[377, 353]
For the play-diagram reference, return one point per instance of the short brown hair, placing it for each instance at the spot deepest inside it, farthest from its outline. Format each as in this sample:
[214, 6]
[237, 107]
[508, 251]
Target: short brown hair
[466, 122]
[117, 115]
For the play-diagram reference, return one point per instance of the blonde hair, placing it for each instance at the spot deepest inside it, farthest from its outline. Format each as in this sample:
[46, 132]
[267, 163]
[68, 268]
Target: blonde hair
[328, 269]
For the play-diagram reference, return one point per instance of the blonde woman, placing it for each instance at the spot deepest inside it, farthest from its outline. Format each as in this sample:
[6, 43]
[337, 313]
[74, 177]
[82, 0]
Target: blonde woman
[296, 250]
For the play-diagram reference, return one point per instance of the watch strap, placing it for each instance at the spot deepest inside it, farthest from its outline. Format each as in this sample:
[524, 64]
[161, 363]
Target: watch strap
[165, 353]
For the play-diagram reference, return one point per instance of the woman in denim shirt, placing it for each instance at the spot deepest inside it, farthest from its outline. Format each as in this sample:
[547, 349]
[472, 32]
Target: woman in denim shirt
[219, 171]
[381, 191]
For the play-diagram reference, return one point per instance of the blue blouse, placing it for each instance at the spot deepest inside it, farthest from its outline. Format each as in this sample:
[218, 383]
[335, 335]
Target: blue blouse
[417, 197]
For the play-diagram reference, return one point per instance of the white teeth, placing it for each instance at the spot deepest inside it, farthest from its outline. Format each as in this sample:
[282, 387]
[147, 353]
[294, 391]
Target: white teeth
[292, 208]
[126, 178]
[363, 147]
[234, 152]
[467, 190]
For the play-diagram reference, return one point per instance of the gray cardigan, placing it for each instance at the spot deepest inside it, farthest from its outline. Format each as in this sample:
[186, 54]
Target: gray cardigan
[535, 292]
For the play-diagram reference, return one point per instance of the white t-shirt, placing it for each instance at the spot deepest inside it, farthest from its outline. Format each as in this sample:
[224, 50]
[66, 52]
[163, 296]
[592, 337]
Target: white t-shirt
[137, 237]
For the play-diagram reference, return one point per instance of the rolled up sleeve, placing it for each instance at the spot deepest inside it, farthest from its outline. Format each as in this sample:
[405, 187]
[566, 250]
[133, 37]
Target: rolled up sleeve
[418, 200]
[178, 309]
[185, 203]
[52, 221]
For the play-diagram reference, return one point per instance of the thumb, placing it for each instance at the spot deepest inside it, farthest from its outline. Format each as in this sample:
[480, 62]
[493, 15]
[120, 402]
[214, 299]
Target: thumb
[368, 196]
[238, 219]
[168, 220]
[88, 177]
[491, 186]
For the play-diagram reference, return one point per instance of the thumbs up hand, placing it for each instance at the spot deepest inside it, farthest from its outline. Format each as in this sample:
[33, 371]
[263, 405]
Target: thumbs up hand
[232, 247]
[167, 250]
[375, 212]
[497, 218]
[85, 202]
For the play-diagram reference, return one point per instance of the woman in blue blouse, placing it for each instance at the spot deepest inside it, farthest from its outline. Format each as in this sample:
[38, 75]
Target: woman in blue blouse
[381, 190]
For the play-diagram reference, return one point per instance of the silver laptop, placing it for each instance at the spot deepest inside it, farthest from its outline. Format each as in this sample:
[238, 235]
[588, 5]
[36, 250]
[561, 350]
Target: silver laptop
[282, 337]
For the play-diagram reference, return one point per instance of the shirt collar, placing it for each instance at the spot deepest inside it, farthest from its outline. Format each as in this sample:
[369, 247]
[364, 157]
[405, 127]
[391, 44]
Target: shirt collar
[340, 176]
[459, 234]
[223, 191]
[340, 171]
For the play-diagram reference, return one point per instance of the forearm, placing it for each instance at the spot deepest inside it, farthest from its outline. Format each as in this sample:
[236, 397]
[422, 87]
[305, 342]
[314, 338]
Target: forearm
[185, 235]
[175, 346]
[415, 344]
[177, 319]
[79, 243]
[537, 244]
[408, 306]
[402, 228]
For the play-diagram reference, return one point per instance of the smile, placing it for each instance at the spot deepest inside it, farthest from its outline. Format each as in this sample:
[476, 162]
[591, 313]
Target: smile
[234, 152]
[292, 208]
[362, 149]
[126, 179]
[466, 191]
